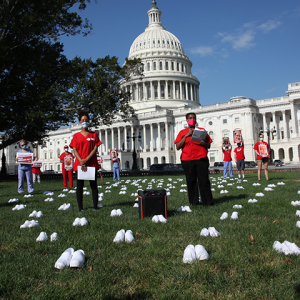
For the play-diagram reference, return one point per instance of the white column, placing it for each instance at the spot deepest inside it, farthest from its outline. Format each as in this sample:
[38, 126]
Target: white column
[264, 122]
[112, 138]
[180, 86]
[132, 131]
[158, 89]
[158, 137]
[119, 139]
[144, 138]
[144, 91]
[125, 138]
[192, 91]
[100, 137]
[167, 135]
[276, 126]
[174, 91]
[294, 121]
[186, 92]
[151, 137]
[151, 90]
[285, 132]
[172, 135]
[106, 140]
[166, 90]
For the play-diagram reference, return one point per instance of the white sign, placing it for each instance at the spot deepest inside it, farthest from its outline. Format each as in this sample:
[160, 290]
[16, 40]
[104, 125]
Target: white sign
[24, 158]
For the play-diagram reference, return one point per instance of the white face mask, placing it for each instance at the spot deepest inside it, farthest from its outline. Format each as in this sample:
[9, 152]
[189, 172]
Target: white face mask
[66, 150]
[85, 124]
[261, 139]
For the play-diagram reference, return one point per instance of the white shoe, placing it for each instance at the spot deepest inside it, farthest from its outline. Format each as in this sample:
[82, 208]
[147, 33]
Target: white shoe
[68, 206]
[76, 222]
[26, 224]
[64, 259]
[234, 215]
[298, 213]
[155, 219]
[237, 206]
[120, 236]
[136, 205]
[298, 224]
[113, 213]
[42, 237]
[54, 237]
[204, 232]
[201, 253]
[83, 221]
[129, 238]
[189, 254]
[162, 219]
[34, 223]
[119, 212]
[13, 200]
[39, 214]
[77, 259]
[62, 207]
[213, 232]
[33, 214]
[224, 216]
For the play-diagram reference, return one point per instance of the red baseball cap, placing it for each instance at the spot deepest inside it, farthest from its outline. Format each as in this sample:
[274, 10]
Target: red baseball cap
[66, 146]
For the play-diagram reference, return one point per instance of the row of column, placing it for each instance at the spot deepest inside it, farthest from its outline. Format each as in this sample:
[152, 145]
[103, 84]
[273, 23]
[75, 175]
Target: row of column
[139, 91]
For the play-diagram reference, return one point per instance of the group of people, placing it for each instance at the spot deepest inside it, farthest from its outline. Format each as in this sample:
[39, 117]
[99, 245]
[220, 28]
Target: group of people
[194, 161]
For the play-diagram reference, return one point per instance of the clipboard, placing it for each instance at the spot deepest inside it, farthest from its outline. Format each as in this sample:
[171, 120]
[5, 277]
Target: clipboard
[88, 175]
[198, 135]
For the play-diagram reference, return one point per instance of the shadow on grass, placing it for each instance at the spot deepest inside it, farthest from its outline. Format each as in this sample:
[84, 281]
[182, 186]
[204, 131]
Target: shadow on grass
[137, 295]
[297, 290]
[229, 198]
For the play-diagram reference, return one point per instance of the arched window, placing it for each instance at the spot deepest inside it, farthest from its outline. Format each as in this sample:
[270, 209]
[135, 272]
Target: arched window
[51, 155]
[148, 66]
[211, 134]
[167, 66]
[160, 65]
[154, 65]
[58, 153]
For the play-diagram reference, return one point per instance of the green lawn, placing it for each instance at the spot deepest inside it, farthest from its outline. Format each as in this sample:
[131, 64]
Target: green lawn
[152, 267]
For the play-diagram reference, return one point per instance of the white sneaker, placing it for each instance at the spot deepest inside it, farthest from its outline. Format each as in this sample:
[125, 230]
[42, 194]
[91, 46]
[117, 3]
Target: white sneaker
[64, 259]
[42, 237]
[13, 200]
[33, 214]
[119, 212]
[201, 252]
[162, 219]
[113, 213]
[224, 216]
[136, 205]
[298, 224]
[237, 206]
[39, 214]
[83, 221]
[204, 232]
[234, 215]
[187, 208]
[26, 224]
[77, 259]
[54, 237]
[155, 219]
[213, 232]
[62, 207]
[120, 236]
[129, 238]
[298, 213]
[189, 254]
[76, 222]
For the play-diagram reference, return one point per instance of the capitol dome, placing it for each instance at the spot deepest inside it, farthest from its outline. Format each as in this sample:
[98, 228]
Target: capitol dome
[168, 82]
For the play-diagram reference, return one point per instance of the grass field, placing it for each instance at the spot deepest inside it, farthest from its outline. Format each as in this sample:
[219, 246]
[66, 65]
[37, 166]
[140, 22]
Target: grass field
[151, 268]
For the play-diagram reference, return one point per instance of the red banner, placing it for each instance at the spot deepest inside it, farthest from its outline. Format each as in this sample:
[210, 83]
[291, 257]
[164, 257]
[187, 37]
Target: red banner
[24, 158]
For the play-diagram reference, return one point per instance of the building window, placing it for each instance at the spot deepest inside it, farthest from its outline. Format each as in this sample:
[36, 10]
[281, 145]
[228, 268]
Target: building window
[280, 118]
[45, 167]
[50, 143]
[51, 167]
[224, 121]
[154, 65]
[182, 68]
[160, 65]
[66, 141]
[236, 120]
[51, 156]
[172, 66]
[169, 91]
[158, 41]
[271, 119]
[155, 91]
[211, 134]
[148, 66]
[149, 92]
[58, 167]
[45, 155]
[282, 135]
[58, 153]
[162, 91]
[212, 157]
[210, 123]
[167, 65]
[178, 67]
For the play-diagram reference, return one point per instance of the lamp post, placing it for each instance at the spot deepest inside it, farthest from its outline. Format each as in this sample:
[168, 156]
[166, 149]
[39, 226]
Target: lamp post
[134, 164]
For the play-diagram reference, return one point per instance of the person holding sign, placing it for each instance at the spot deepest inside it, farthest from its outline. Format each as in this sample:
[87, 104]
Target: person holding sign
[36, 170]
[227, 157]
[24, 159]
[85, 144]
[67, 160]
[116, 164]
[194, 161]
[99, 161]
[240, 159]
[262, 150]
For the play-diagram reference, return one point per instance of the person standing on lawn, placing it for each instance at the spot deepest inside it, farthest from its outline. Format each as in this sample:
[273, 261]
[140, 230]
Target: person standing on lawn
[227, 157]
[85, 144]
[67, 160]
[261, 148]
[195, 162]
[99, 168]
[240, 159]
[36, 171]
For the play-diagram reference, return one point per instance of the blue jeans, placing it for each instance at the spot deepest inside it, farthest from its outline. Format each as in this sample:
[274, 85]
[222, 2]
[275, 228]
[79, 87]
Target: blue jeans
[226, 165]
[21, 176]
[116, 172]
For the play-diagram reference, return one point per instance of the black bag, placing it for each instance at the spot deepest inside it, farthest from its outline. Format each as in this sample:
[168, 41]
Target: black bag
[152, 203]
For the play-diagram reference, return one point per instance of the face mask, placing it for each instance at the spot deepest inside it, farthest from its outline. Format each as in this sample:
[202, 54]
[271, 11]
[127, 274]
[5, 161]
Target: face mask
[66, 150]
[192, 122]
[261, 139]
[85, 124]
[24, 146]
[239, 144]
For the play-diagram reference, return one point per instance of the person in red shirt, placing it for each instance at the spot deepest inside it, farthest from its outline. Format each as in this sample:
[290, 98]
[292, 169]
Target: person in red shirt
[99, 161]
[262, 150]
[195, 163]
[240, 159]
[227, 157]
[36, 171]
[67, 160]
[85, 144]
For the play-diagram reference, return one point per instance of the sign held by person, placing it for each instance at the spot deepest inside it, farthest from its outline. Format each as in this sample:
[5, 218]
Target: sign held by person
[24, 158]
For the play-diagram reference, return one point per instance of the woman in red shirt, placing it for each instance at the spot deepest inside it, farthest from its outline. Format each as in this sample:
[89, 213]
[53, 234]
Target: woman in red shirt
[36, 171]
[262, 150]
[195, 163]
[85, 144]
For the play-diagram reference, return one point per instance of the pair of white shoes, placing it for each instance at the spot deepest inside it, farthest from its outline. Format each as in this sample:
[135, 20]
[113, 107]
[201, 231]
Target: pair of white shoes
[256, 184]
[71, 259]
[159, 219]
[192, 253]
[295, 203]
[29, 224]
[271, 185]
[240, 187]
[286, 247]
[234, 216]
[43, 237]
[184, 208]
[252, 201]
[121, 236]
[19, 207]
[62, 195]
[183, 191]
[86, 193]
[237, 206]
[280, 183]
[80, 222]
[72, 192]
[65, 206]
[116, 212]
[13, 200]
[122, 193]
[49, 200]
[28, 196]
[212, 231]
[220, 186]
[50, 194]
[65, 190]
[224, 192]
[108, 191]
[259, 194]
[37, 214]
[268, 189]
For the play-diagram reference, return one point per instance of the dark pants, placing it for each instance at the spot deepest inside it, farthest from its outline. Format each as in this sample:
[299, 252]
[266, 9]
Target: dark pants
[196, 173]
[79, 192]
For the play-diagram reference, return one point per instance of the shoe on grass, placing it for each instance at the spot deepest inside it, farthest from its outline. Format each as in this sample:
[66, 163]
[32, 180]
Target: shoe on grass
[129, 238]
[120, 236]
[77, 259]
[64, 259]
[201, 252]
[42, 237]
[189, 254]
[54, 237]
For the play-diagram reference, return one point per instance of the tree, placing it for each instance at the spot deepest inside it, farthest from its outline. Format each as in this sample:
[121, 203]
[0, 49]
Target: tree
[33, 71]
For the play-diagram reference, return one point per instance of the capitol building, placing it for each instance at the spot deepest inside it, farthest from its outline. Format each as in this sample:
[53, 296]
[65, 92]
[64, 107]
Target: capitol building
[162, 98]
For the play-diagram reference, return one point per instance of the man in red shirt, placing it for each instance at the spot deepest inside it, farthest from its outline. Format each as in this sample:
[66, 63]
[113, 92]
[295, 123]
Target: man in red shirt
[67, 160]
[195, 162]
[227, 157]
[262, 150]
[240, 159]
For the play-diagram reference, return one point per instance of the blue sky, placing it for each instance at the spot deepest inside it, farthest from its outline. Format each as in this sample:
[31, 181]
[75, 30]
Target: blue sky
[238, 48]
